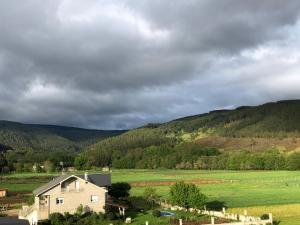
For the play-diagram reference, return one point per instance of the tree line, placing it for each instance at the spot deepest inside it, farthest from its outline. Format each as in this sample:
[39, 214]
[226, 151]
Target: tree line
[181, 156]
[191, 156]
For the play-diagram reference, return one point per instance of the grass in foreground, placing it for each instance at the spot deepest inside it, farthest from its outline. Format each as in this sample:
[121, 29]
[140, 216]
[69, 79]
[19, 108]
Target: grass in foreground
[259, 190]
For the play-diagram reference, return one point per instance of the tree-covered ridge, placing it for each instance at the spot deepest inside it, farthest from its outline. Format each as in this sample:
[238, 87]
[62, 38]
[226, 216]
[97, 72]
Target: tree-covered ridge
[279, 119]
[18, 136]
[165, 145]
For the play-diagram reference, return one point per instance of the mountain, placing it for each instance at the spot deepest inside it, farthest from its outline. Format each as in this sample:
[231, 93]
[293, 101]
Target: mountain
[42, 138]
[271, 125]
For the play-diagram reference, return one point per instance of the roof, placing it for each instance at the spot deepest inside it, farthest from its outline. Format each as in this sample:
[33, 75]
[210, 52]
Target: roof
[101, 180]
[12, 221]
[50, 184]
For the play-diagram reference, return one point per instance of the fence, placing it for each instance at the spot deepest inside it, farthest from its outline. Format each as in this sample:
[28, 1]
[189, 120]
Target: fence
[241, 219]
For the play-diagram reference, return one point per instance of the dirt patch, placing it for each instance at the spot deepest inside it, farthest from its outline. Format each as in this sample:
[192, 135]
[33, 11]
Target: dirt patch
[252, 144]
[12, 212]
[27, 180]
[15, 197]
[168, 183]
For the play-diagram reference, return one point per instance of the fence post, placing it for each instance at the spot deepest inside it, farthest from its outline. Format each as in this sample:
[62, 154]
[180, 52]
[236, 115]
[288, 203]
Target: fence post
[212, 219]
[271, 218]
[180, 221]
[224, 210]
[147, 223]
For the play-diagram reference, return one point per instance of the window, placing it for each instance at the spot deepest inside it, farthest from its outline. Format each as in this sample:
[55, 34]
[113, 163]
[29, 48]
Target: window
[94, 198]
[59, 201]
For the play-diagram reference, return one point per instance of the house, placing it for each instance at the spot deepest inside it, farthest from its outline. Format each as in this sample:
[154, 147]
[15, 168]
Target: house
[65, 194]
[3, 193]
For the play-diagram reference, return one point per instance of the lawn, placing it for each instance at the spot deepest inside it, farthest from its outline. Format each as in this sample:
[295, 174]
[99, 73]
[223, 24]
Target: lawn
[263, 191]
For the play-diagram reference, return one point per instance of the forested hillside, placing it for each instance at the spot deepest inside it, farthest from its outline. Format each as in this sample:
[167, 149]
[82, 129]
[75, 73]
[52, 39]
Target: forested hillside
[257, 137]
[273, 124]
[23, 145]
[18, 136]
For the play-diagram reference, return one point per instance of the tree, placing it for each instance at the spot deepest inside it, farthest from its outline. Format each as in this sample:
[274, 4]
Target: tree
[48, 166]
[150, 195]
[81, 162]
[119, 190]
[293, 162]
[3, 164]
[187, 195]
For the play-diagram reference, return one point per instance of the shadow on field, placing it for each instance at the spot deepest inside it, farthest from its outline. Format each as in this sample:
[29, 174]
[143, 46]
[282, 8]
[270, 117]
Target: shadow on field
[216, 205]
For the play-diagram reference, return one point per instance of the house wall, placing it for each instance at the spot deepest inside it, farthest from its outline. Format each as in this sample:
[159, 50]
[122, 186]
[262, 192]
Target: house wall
[73, 198]
[3, 193]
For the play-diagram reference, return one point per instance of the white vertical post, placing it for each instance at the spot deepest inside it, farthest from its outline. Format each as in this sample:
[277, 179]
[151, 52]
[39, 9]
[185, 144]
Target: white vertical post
[180, 221]
[271, 217]
[224, 210]
[212, 219]
[147, 223]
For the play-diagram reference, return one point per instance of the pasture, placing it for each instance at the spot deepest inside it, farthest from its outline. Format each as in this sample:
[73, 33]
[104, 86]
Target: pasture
[257, 191]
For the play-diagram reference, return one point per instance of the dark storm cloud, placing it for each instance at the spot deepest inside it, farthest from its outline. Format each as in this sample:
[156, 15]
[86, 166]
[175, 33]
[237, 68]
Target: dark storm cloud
[120, 64]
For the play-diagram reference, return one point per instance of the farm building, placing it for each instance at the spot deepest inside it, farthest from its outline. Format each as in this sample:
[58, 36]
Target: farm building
[3, 193]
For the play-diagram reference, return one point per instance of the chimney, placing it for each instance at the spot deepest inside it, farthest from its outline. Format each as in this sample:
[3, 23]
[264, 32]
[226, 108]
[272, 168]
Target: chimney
[86, 176]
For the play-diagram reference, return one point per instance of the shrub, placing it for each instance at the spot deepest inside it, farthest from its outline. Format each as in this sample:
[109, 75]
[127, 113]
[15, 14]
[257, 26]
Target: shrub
[187, 195]
[150, 195]
[119, 190]
[56, 218]
[80, 210]
[30, 200]
[156, 213]
[264, 217]
[110, 216]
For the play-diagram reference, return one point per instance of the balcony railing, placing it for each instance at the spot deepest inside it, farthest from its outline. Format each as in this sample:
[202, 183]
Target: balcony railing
[68, 190]
[26, 210]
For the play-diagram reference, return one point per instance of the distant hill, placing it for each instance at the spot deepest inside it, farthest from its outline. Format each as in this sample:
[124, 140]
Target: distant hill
[276, 119]
[275, 124]
[18, 136]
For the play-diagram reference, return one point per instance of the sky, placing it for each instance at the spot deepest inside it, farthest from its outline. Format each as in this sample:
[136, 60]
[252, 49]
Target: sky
[120, 64]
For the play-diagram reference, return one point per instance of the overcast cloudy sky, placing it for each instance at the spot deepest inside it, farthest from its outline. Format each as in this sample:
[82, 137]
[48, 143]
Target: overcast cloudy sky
[118, 64]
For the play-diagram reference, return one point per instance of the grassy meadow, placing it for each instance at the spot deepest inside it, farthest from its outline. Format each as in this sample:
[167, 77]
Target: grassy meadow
[257, 191]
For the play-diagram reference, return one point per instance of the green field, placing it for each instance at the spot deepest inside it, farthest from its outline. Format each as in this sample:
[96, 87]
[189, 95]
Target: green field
[258, 191]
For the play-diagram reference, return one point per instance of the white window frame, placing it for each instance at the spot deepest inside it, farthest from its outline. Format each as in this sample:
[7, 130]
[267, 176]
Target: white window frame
[60, 201]
[94, 198]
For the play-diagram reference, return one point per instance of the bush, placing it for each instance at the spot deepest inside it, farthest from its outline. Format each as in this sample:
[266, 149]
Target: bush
[156, 213]
[187, 195]
[30, 200]
[56, 218]
[264, 217]
[119, 190]
[151, 196]
[110, 216]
